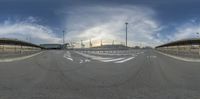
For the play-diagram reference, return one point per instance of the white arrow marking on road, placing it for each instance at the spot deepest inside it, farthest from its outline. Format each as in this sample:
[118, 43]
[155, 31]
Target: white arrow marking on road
[122, 61]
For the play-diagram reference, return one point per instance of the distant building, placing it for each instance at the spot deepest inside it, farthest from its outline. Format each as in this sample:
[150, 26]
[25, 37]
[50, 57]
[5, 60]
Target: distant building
[51, 46]
[116, 46]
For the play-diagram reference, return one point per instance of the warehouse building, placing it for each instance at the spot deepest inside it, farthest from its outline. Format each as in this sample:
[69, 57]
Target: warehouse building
[51, 46]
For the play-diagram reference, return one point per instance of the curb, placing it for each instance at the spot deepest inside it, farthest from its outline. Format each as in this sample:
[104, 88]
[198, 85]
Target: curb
[19, 58]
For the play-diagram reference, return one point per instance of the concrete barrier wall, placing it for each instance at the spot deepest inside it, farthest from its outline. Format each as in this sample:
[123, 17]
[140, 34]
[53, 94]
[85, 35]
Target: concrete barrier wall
[192, 51]
[17, 49]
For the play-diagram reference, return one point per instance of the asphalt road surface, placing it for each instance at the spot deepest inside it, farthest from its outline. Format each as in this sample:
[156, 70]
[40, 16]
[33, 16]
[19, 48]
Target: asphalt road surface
[139, 74]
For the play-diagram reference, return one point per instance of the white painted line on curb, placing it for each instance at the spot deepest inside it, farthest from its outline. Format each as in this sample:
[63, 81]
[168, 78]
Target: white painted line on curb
[19, 58]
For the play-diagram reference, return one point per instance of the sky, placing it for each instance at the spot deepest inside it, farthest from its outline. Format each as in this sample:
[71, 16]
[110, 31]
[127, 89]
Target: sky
[150, 22]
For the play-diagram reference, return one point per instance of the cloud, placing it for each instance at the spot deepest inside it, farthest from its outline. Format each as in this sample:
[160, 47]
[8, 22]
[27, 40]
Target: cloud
[28, 29]
[186, 31]
[108, 23]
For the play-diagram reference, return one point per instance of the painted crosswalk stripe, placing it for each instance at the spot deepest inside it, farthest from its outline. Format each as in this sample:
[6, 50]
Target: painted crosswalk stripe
[69, 58]
[122, 61]
[112, 60]
[67, 55]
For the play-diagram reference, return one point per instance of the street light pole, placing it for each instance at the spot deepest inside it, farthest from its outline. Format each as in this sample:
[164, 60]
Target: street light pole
[197, 34]
[63, 36]
[126, 32]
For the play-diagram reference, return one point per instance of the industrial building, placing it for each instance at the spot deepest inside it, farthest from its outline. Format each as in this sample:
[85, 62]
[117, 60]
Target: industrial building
[112, 46]
[51, 46]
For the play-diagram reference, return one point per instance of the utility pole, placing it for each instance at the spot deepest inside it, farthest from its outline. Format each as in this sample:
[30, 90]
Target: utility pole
[90, 43]
[101, 43]
[126, 32]
[82, 45]
[63, 36]
[197, 34]
[30, 39]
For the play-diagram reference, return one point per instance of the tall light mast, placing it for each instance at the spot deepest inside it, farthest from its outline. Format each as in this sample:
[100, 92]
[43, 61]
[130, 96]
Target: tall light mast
[126, 32]
[63, 36]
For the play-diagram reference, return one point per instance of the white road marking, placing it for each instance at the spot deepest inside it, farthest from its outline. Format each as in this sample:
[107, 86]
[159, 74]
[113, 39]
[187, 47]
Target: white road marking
[81, 61]
[87, 60]
[68, 58]
[109, 54]
[151, 56]
[122, 61]
[92, 56]
[134, 54]
[103, 59]
[67, 55]
[112, 60]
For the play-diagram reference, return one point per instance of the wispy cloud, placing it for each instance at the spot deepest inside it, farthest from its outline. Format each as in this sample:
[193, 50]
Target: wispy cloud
[28, 28]
[108, 23]
[186, 31]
